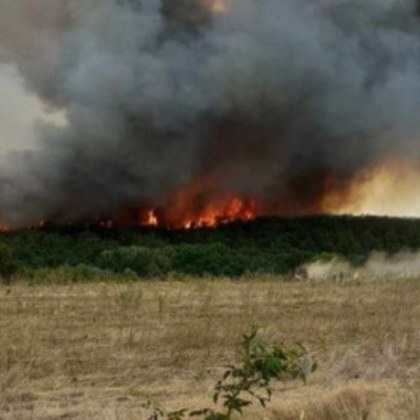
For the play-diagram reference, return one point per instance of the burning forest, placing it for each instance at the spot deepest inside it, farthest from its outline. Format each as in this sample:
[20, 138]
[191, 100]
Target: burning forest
[195, 113]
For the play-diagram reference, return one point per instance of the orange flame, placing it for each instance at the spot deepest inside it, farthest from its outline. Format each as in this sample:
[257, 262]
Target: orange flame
[199, 204]
[389, 188]
[236, 209]
[4, 228]
[212, 215]
[152, 219]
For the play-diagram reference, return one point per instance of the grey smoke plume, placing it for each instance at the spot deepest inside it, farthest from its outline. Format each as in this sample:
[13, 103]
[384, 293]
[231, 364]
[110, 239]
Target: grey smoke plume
[281, 100]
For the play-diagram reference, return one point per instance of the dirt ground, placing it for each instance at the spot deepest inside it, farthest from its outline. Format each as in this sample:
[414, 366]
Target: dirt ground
[100, 351]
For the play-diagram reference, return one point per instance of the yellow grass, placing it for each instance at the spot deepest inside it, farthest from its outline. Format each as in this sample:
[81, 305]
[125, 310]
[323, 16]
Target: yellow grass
[100, 351]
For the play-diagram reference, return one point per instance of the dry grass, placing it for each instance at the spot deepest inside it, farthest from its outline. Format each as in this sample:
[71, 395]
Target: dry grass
[99, 351]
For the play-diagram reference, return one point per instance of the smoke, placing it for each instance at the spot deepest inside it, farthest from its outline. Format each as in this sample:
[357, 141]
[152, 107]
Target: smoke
[17, 113]
[283, 101]
[379, 265]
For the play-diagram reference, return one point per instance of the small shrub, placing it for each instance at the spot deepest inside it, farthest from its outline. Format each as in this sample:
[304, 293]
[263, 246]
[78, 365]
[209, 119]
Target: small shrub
[8, 265]
[250, 381]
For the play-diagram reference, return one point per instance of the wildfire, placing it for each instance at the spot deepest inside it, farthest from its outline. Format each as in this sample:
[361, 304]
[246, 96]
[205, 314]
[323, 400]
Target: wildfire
[212, 215]
[235, 209]
[389, 188]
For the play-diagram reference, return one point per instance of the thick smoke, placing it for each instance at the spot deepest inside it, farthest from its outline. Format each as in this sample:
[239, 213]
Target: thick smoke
[279, 100]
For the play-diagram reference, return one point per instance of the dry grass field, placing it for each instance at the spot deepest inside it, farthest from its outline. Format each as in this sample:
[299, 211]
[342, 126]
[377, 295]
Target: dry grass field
[99, 351]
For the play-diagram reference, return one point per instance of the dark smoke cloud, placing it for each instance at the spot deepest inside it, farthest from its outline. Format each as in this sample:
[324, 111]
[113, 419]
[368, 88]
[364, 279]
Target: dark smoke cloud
[281, 100]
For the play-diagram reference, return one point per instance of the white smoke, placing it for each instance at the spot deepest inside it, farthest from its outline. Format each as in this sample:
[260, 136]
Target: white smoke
[379, 266]
[19, 114]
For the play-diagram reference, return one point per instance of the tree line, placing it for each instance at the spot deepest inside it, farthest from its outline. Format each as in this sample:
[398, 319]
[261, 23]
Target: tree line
[266, 245]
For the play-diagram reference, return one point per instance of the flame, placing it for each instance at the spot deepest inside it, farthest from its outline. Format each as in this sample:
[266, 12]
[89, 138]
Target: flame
[236, 209]
[210, 216]
[391, 188]
[152, 219]
[201, 204]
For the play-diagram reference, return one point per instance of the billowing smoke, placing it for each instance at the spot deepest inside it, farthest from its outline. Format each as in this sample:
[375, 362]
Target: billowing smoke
[279, 100]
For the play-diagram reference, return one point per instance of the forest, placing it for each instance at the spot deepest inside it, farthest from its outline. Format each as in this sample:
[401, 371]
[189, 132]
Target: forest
[267, 245]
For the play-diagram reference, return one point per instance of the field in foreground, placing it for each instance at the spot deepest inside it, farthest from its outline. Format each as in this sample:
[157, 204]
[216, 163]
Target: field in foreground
[99, 351]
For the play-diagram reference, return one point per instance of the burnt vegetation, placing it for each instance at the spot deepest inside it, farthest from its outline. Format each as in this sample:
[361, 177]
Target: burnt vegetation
[267, 245]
